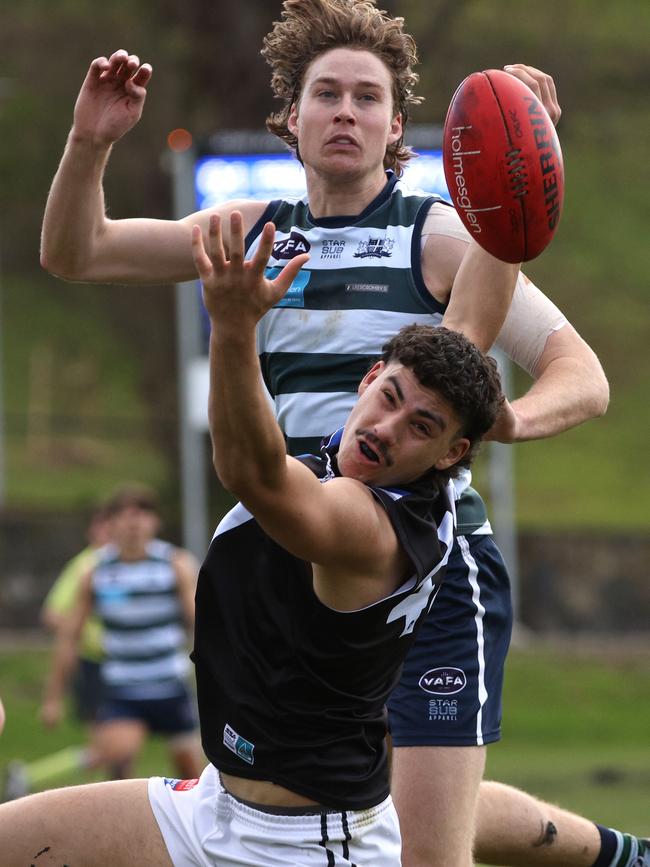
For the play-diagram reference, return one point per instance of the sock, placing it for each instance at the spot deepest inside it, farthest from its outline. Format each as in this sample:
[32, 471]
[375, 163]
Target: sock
[617, 849]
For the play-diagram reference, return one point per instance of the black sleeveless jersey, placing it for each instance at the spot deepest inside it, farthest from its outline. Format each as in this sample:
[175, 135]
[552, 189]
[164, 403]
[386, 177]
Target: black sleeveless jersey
[290, 690]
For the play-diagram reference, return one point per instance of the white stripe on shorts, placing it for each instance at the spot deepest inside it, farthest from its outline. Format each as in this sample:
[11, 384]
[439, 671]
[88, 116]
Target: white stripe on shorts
[472, 572]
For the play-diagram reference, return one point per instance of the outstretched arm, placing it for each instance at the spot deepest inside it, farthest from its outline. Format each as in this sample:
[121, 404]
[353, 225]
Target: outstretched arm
[78, 240]
[249, 451]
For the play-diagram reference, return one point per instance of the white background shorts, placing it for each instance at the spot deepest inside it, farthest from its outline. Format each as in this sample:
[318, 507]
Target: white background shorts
[204, 826]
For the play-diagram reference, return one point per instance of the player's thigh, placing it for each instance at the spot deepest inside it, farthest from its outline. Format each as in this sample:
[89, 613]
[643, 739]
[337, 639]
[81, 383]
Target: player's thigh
[435, 792]
[94, 825]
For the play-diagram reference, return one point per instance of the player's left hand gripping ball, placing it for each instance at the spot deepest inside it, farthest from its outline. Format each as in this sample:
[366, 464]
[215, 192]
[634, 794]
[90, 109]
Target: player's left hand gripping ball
[503, 165]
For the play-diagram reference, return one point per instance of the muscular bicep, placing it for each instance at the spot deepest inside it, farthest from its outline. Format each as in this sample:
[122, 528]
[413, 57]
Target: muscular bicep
[337, 524]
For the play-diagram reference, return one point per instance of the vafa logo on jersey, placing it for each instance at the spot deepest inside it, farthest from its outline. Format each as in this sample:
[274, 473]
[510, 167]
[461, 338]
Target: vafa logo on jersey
[443, 681]
[288, 248]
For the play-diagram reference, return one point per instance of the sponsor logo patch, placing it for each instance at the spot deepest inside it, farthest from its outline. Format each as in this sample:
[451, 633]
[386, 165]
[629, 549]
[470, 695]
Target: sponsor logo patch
[295, 296]
[180, 785]
[379, 288]
[294, 245]
[332, 248]
[443, 710]
[375, 248]
[238, 745]
[443, 681]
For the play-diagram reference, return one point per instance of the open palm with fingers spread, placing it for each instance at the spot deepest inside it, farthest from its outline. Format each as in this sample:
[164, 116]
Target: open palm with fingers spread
[236, 290]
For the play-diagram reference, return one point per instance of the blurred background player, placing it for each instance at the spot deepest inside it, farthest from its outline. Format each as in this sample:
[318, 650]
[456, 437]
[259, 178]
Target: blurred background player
[86, 682]
[141, 589]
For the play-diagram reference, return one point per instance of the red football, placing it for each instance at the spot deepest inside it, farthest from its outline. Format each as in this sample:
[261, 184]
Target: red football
[503, 165]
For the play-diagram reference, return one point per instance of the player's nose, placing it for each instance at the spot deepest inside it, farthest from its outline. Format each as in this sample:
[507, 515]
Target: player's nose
[345, 110]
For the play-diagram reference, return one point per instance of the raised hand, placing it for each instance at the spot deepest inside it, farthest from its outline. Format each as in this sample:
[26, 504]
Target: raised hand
[111, 98]
[506, 427]
[542, 86]
[236, 291]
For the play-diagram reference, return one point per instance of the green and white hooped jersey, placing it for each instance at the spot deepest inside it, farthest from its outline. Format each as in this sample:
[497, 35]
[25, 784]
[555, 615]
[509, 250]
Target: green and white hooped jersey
[362, 283]
[140, 610]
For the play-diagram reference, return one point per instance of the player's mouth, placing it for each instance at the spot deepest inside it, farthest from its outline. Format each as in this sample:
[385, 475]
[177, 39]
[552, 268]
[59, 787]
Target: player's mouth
[343, 141]
[367, 452]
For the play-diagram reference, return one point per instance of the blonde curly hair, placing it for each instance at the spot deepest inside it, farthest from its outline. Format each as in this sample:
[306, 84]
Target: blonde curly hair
[308, 28]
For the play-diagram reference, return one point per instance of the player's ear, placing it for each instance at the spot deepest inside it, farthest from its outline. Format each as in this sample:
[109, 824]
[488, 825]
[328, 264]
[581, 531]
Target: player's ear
[292, 120]
[371, 376]
[396, 129]
[457, 450]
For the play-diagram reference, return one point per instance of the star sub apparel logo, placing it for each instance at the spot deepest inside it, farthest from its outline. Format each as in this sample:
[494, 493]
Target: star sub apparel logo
[375, 248]
[332, 248]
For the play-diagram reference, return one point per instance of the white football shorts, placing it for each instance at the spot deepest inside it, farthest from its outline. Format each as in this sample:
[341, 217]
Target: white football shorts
[204, 826]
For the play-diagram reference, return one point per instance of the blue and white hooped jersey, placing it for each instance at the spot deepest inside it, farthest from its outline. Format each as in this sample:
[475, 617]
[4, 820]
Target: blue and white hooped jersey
[142, 619]
[362, 283]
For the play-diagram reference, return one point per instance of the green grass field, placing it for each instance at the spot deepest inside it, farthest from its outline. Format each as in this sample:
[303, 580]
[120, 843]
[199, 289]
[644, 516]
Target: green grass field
[576, 728]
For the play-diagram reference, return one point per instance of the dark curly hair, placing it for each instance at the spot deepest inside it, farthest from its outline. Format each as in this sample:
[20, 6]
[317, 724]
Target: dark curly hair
[308, 28]
[452, 365]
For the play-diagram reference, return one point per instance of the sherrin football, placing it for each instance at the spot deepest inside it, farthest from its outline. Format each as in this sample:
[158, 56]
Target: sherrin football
[503, 165]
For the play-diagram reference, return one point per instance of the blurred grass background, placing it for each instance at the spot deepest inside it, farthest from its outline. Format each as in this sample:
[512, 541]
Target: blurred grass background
[575, 727]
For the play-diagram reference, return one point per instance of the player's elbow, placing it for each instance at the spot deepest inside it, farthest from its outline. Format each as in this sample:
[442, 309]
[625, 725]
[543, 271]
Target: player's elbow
[601, 395]
[595, 390]
[61, 267]
[231, 475]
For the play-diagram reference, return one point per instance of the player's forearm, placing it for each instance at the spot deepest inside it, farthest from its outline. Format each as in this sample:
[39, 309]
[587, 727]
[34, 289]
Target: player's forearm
[248, 447]
[63, 662]
[74, 213]
[480, 297]
[570, 392]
